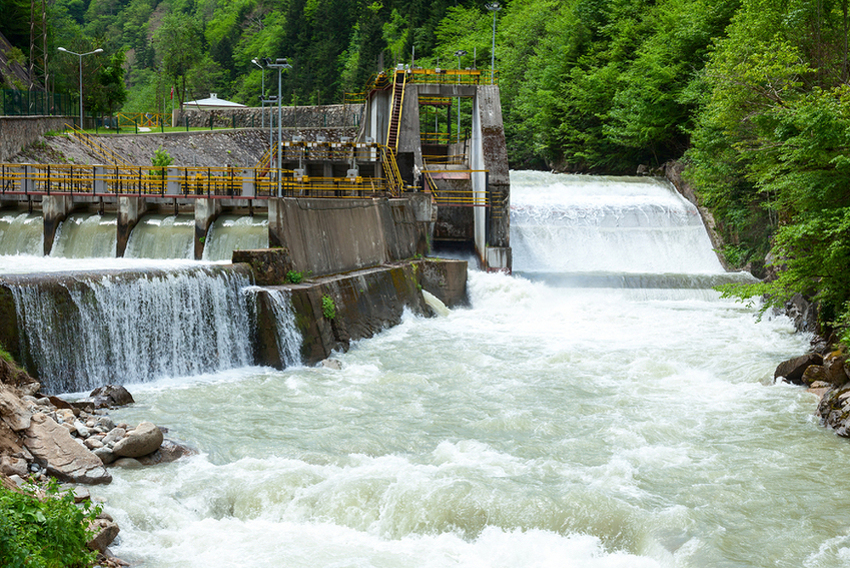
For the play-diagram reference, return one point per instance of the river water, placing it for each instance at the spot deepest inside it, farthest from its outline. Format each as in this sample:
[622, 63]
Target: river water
[601, 408]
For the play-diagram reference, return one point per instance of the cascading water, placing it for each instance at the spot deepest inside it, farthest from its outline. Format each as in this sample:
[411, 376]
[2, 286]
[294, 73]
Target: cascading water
[288, 337]
[162, 236]
[594, 427]
[86, 235]
[231, 232]
[611, 232]
[84, 331]
[21, 233]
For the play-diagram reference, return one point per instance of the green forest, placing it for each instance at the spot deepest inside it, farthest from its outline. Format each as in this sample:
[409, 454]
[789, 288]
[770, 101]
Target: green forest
[752, 95]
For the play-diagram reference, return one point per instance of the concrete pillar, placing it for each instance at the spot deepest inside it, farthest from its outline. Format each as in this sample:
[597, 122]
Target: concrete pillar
[248, 189]
[488, 151]
[277, 236]
[172, 183]
[100, 185]
[206, 212]
[130, 210]
[54, 209]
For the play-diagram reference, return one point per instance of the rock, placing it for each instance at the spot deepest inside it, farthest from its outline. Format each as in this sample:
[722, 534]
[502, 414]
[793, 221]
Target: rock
[128, 463]
[835, 370]
[53, 448]
[93, 443]
[168, 452]
[113, 436]
[13, 412]
[59, 403]
[814, 373]
[332, 364]
[802, 312]
[105, 422]
[143, 440]
[82, 429]
[106, 533]
[106, 455]
[116, 395]
[66, 415]
[792, 370]
[13, 466]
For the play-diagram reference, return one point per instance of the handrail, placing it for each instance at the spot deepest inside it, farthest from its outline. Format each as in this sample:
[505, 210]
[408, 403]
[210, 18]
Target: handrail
[184, 182]
[395, 181]
[86, 139]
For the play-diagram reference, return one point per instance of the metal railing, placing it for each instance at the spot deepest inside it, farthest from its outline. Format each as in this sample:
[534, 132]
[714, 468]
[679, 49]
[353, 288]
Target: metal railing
[225, 182]
[30, 103]
[455, 197]
[445, 160]
[89, 142]
[452, 76]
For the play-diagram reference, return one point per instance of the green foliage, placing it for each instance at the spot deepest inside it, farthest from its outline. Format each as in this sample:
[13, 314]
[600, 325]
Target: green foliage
[44, 533]
[5, 355]
[160, 161]
[328, 307]
[294, 277]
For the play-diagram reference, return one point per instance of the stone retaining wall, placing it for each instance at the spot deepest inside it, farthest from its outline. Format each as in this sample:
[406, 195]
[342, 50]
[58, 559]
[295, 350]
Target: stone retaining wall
[327, 116]
[16, 132]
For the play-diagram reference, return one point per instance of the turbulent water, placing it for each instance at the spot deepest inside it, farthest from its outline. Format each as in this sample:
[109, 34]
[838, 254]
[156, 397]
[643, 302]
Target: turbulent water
[230, 232]
[560, 421]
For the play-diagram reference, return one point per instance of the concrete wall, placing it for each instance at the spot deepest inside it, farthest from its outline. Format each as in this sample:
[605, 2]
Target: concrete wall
[17, 132]
[326, 116]
[366, 302]
[327, 236]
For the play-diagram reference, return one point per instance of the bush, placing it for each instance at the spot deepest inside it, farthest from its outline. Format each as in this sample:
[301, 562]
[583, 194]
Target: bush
[44, 533]
[328, 307]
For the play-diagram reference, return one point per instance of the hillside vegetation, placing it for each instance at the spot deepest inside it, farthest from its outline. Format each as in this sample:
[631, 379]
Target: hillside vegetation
[752, 94]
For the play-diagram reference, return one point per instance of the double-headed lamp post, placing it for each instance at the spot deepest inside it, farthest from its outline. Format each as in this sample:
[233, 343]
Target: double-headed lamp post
[263, 91]
[459, 53]
[280, 64]
[493, 7]
[80, 55]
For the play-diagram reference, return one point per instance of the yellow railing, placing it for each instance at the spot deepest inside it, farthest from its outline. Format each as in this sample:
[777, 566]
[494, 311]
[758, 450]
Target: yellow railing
[394, 179]
[456, 197]
[143, 119]
[453, 76]
[353, 98]
[89, 141]
[453, 160]
[40, 179]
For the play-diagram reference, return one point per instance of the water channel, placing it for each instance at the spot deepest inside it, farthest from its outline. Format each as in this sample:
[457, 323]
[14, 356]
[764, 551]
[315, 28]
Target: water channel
[601, 408]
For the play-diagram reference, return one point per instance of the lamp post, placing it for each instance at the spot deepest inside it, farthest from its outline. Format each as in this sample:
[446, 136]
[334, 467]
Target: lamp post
[493, 7]
[459, 53]
[263, 93]
[80, 55]
[280, 64]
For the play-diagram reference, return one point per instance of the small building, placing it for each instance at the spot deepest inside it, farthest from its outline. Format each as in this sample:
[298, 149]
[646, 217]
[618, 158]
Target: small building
[212, 103]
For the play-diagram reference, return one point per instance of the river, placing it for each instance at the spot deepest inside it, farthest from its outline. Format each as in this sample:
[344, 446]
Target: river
[601, 408]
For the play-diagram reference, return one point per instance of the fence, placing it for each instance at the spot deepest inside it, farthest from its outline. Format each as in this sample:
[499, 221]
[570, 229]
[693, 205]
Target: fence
[36, 103]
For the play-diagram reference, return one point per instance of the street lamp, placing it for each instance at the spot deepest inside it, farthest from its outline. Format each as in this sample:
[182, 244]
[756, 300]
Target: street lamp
[280, 64]
[459, 53]
[493, 7]
[80, 55]
[263, 91]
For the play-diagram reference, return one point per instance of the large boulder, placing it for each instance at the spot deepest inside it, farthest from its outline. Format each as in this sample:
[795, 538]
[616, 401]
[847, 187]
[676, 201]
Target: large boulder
[110, 396]
[792, 370]
[53, 447]
[144, 439]
[13, 411]
[835, 368]
[105, 531]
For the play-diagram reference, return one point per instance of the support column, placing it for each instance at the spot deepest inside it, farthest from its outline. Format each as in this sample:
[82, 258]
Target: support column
[130, 210]
[277, 236]
[206, 212]
[54, 209]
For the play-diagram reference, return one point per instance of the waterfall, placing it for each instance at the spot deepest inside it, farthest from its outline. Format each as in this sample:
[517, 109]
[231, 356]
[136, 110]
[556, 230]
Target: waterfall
[231, 232]
[82, 331]
[162, 236]
[21, 233]
[86, 235]
[609, 232]
[288, 336]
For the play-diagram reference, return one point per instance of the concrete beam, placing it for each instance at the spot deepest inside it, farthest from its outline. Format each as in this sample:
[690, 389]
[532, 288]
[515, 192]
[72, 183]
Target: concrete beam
[206, 212]
[54, 209]
[130, 210]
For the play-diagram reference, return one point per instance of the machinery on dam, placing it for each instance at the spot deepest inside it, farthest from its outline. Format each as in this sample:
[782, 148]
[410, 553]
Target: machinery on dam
[455, 185]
